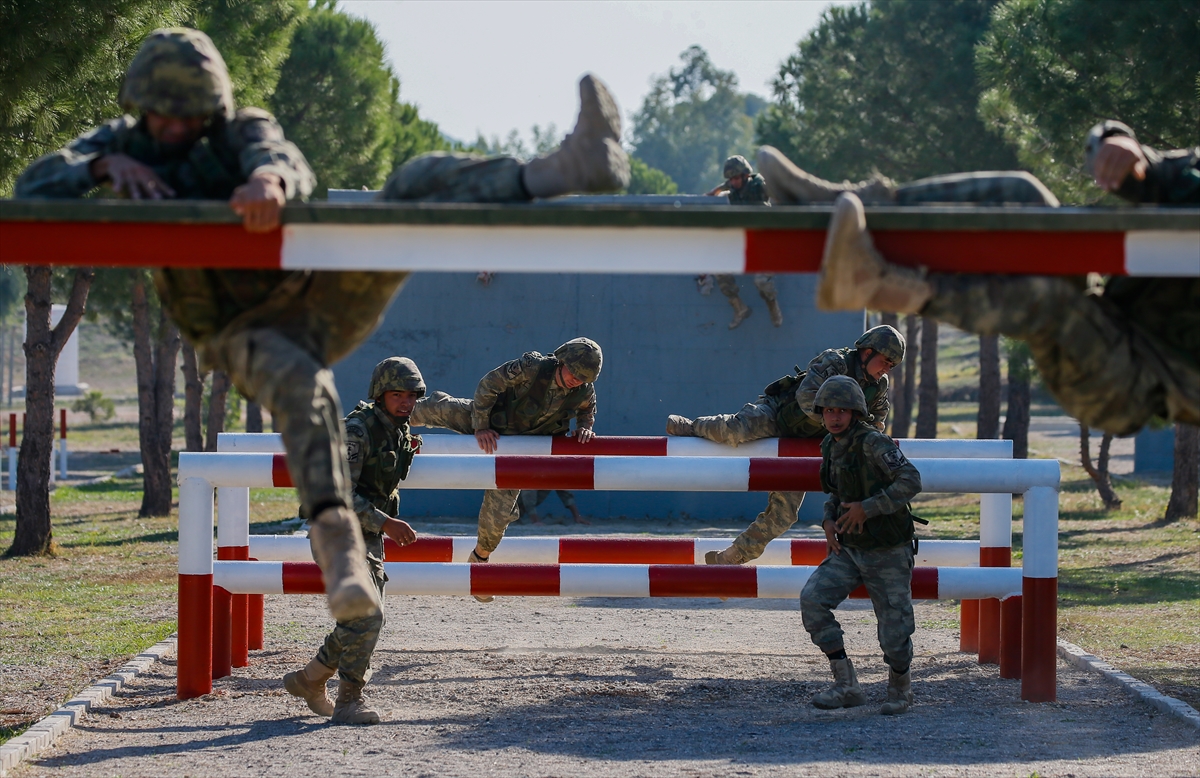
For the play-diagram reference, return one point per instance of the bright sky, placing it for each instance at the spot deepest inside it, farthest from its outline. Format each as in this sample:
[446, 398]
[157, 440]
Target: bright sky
[493, 66]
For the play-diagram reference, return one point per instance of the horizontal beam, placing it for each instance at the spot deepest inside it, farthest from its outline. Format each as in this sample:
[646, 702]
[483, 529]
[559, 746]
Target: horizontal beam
[451, 579]
[611, 445]
[596, 239]
[622, 473]
[608, 551]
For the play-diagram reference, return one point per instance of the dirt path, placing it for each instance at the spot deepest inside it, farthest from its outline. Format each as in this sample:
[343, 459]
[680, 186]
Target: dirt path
[547, 686]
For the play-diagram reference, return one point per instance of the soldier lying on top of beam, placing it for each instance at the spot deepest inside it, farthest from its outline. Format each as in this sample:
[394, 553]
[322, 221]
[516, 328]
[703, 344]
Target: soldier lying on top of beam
[274, 331]
[1115, 354]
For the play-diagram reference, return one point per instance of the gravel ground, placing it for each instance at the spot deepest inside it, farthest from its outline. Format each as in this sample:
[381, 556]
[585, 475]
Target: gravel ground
[622, 687]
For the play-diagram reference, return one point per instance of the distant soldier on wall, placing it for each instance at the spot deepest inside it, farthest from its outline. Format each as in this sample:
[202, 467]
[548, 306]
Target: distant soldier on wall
[743, 187]
[530, 395]
[787, 409]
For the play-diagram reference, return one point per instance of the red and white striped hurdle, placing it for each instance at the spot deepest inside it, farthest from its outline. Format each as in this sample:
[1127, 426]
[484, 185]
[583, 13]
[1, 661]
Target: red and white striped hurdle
[1038, 479]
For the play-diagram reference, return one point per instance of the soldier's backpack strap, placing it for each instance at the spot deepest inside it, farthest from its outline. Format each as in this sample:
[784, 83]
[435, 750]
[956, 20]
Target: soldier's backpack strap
[782, 387]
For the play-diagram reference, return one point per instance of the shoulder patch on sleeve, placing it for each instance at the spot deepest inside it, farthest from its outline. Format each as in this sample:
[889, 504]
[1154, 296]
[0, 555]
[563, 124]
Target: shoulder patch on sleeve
[354, 450]
[894, 458]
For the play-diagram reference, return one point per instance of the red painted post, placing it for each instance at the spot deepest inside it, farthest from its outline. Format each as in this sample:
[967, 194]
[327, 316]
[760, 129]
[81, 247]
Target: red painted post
[989, 610]
[194, 644]
[968, 632]
[1010, 637]
[62, 426]
[221, 628]
[1039, 639]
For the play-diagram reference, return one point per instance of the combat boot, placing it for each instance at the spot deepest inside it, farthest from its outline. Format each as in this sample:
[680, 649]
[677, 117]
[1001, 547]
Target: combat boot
[845, 692]
[855, 276]
[351, 708]
[741, 312]
[337, 546]
[899, 693]
[475, 559]
[308, 684]
[776, 313]
[681, 426]
[730, 556]
[590, 159]
[789, 185]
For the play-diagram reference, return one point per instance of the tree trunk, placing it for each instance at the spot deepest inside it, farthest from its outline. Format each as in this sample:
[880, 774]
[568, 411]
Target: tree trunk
[927, 405]
[254, 421]
[42, 346]
[193, 399]
[987, 423]
[1186, 478]
[218, 394]
[906, 377]
[155, 360]
[1016, 418]
[1099, 471]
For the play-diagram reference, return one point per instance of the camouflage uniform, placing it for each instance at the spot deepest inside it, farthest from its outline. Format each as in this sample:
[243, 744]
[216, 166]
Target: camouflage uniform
[753, 192]
[1115, 356]
[520, 397]
[380, 451]
[785, 409]
[866, 466]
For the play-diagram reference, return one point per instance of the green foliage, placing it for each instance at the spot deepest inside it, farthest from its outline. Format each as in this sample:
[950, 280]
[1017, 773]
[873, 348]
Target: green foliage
[12, 289]
[95, 405]
[61, 63]
[692, 120]
[1020, 359]
[338, 100]
[644, 179]
[1054, 68]
[253, 37]
[542, 142]
[887, 87]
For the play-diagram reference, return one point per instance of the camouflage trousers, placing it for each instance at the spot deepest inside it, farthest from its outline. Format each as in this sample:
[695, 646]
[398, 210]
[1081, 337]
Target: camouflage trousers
[499, 508]
[754, 421]
[532, 498]
[1104, 371]
[351, 643]
[457, 178]
[887, 574]
[1001, 186]
[764, 281]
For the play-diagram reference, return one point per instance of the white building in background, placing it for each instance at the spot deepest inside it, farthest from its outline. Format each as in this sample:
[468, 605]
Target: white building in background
[66, 374]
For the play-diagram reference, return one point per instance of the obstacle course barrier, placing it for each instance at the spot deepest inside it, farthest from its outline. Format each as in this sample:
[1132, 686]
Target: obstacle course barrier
[1038, 479]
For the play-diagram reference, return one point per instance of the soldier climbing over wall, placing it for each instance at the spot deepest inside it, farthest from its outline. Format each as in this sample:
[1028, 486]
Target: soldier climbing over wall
[531, 395]
[275, 332]
[787, 409]
[379, 451]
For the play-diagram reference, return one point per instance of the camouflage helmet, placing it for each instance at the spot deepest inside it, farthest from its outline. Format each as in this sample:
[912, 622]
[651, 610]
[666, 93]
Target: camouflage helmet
[396, 374]
[841, 391]
[583, 357]
[886, 340]
[737, 166]
[178, 72]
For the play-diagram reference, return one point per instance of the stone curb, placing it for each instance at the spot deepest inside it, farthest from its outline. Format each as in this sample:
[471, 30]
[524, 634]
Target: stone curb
[1140, 689]
[42, 735]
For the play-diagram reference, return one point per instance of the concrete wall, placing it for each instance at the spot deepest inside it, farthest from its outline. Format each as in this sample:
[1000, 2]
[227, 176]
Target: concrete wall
[667, 349]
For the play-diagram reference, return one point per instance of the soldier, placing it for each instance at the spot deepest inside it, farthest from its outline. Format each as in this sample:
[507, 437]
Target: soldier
[789, 185]
[787, 408]
[1115, 355]
[744, 187]
[379, 450]
[275, 332]
[532, 395]
[869, 531]
[530, 499]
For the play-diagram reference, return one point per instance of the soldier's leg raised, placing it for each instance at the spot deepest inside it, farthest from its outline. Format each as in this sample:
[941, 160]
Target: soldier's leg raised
[590, 159]
[776, 519]
[299, 391]
[828, 586]
[754, 421]
[996, 186]
[441, 410]
[789, 185]
[887, 575]
[499, 509]
[729, 287]
[765, 282]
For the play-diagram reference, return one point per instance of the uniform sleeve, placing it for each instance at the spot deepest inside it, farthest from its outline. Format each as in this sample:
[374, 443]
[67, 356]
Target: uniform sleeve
[824, 365]
[833, 509]
[67, 172]
[585, 414]
[882, 405]
[759, 194]
[1172, 176]
[515, 373]
[885, 456]
[264, 149]
[358, 444]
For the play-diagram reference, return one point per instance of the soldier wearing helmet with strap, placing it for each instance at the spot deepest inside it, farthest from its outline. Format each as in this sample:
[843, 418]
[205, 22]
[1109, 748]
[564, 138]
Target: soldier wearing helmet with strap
[786, 409]
[532, 395]
[869, 530]
[379, 450]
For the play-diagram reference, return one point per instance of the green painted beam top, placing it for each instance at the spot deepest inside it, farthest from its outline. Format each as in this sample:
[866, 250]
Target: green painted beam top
[563, 213]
